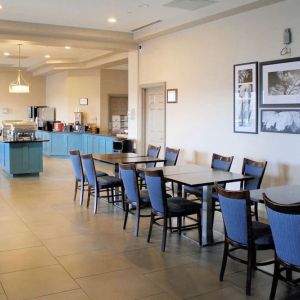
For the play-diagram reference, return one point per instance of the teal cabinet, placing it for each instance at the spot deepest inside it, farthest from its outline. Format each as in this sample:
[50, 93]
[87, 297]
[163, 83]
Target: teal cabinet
[60, 143]
[75, 142]
[21, 158]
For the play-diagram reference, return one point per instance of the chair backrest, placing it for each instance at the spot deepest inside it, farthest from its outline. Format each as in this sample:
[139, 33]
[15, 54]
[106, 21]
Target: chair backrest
[129, 178]
[77, 165]
[157, 191]
[220, 162]
[285, 223]
[171, 156]
[256, 169]
[236, 211]
[89, 168]
[152, 151]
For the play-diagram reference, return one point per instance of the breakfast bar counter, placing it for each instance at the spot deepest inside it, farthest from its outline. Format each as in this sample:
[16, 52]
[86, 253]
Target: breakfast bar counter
[21, 157]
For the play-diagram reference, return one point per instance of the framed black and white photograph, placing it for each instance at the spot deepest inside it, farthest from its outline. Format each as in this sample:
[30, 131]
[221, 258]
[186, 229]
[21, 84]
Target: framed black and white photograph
[172, 95]
[83, 101]
[281, 121]
[245, 97]
[280, 83]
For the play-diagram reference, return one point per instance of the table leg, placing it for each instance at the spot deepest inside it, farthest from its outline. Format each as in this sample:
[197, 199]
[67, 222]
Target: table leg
[207, 216]
[179, 190]
[117, 190]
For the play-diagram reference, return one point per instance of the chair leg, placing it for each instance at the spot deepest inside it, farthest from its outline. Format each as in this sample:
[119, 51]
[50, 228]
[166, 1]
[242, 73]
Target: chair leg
[173, 190]
[199, 228]
[179, 225]
[224, 261]
[75, 191]
[249, 271]
[126, 215]
[113, 196]
[275, 280]
[213, 209]
[123, 197]
[81, 193]
[256, 211]
[89, 196]
[170, 224]
[164, 237]
[95, 201]
[137, 222]
[150, 227]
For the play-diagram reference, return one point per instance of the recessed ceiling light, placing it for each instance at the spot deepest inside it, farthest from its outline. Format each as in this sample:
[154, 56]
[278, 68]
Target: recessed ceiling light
[6, 54]
[1, 6]
[67, 47]
[112, 20]
[47, 56]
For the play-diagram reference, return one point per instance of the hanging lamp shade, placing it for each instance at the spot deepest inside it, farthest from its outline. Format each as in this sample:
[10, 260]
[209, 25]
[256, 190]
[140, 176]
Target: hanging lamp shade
[20, 85]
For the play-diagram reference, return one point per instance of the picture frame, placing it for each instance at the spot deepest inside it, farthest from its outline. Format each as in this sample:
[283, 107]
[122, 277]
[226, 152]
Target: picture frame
[280, 83]
[83, 101]
[245, 98]
[280, 120]
[172, 95]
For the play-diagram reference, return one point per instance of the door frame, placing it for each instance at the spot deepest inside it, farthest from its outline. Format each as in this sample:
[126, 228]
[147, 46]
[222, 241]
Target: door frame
[142, 127]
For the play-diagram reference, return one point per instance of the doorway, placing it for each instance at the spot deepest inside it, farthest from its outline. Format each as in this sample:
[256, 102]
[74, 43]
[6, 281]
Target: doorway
[154, 116]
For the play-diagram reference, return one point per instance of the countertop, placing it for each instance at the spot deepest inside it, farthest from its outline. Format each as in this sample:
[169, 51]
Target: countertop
[4, 140]
[74, 132]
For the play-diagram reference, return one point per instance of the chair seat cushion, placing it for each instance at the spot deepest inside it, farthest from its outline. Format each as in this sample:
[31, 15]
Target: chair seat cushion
[100, 173]
[109, 182]
[141, 174]
[181, 206]
[262, 234]
[193, 190]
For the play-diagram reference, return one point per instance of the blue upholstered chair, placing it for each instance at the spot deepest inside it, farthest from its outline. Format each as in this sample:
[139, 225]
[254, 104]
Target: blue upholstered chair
[152, 151]
[285, 223]
[218, 162]
[98, 184]
[171, 157]
[241, 232]
[163, 208]
[256, 169]
[80, 179]
[136, 199]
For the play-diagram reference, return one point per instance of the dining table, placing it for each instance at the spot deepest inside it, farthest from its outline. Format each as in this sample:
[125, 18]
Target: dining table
[204, 177]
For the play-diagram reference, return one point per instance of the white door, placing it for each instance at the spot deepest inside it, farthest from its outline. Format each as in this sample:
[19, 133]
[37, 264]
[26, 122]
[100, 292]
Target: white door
[155, 117]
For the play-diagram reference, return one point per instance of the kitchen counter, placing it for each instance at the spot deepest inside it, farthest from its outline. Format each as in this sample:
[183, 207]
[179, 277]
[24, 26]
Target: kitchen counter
[60, 143]
[38, 140]
[22, 157]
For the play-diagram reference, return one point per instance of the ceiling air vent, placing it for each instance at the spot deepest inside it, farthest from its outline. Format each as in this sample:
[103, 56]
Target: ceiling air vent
[190, 4]
[145, 26]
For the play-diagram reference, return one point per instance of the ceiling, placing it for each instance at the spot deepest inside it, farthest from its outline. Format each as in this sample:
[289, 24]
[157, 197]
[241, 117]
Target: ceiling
[82, 24]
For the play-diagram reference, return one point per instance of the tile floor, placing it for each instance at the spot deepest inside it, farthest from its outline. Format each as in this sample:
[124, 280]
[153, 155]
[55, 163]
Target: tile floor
[53, 249]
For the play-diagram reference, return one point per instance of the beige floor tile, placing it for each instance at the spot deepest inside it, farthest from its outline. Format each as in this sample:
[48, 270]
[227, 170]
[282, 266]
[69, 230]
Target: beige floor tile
[152, 259]
[36, 282]
[27, 258]
[92, 263]
[74, 244]
[3, 297]
[18, 240]
[123, 285]
[70, 295]
[186, 281]
[162, 296]
[12, 226]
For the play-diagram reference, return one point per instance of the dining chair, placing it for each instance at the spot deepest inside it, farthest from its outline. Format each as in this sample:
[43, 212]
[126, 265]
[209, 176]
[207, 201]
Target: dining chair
[136, 199]
[80, 178]
[163, 208]
[256, 169]
[152, 151]
[98, 184]
[241, 232]
[285, 223]
[171, 157]
[218, 162]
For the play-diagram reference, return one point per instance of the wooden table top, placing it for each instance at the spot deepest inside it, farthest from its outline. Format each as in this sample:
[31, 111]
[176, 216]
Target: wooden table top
[176, 170]
[283, 194]
[116, 155]
[206, 176]
[126, 160]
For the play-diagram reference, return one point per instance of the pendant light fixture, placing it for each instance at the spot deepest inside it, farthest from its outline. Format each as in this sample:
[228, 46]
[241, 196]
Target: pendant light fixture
[20, 85]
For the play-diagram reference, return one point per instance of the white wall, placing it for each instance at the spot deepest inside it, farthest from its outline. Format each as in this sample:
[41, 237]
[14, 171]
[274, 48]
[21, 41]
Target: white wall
[17, 104]
[199, 62]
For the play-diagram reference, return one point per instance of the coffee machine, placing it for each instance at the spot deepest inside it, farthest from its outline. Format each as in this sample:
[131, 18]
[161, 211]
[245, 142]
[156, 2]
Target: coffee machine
[78, 117]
